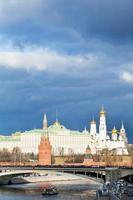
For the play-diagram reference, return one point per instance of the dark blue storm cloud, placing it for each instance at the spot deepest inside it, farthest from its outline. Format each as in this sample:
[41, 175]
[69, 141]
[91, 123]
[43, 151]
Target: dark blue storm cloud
[40, 21]
[70, 56]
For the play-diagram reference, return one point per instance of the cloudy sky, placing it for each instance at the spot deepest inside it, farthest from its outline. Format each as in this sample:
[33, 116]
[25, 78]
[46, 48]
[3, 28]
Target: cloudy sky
[65, 55]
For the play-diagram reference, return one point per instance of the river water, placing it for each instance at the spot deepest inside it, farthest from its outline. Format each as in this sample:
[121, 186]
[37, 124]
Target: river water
[68, 190]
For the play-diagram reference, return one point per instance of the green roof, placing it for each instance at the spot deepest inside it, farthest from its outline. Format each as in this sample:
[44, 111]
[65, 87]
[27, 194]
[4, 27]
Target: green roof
[57, 126]
[9, 139]
[35, 131]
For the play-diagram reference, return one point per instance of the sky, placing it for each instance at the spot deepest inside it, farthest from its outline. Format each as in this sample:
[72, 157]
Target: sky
[69, 56]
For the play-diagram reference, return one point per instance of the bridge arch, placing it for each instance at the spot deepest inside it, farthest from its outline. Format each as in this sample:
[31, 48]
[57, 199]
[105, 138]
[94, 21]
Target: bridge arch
[6, 177]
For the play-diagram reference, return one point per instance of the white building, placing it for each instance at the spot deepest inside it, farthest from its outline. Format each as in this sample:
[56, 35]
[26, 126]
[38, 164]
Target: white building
[66, 141]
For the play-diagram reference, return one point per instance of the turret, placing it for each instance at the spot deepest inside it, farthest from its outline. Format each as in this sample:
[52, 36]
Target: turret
[88, 159]
[102, 125]
[45, 123]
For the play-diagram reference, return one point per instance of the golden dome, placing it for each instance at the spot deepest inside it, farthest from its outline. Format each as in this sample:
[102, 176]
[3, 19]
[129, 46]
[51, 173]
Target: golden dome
[102, 112]
[114, 130]
[56, 123]
[93, 122]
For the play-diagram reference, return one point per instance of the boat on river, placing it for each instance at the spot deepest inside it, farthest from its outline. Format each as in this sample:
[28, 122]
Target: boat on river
[50, 191]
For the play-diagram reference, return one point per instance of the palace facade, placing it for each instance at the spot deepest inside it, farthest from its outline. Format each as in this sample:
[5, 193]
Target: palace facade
[65, 141]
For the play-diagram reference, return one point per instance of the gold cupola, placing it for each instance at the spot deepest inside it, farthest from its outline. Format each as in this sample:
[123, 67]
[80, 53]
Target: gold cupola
[114, 130]
[102, 112]
[56, 123]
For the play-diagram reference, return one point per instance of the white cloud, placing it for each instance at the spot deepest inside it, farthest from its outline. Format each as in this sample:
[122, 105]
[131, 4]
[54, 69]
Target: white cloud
[45, 59]
[34, 57]
[127, 77]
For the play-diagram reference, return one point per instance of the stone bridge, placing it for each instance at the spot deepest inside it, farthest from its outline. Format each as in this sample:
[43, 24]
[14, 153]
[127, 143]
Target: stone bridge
[108, 173]
[126, 172]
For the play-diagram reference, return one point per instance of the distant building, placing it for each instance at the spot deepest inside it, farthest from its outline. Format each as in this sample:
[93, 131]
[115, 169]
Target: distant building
[65, 141]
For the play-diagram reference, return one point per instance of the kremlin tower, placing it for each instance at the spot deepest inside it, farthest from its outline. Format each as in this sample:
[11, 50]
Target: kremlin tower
[88, 160]
[44, 148]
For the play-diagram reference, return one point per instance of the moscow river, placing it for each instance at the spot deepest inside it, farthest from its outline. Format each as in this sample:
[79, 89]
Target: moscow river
[84, 189]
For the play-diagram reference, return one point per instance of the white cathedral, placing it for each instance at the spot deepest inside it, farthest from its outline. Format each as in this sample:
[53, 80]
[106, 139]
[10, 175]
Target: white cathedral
[107, 139]
[65, 141]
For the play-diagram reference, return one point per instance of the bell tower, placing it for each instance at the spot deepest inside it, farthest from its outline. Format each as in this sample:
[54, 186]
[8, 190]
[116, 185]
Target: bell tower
[102, 125]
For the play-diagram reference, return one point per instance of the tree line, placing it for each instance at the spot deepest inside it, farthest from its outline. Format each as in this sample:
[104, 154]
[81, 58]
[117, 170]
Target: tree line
[16, 155]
